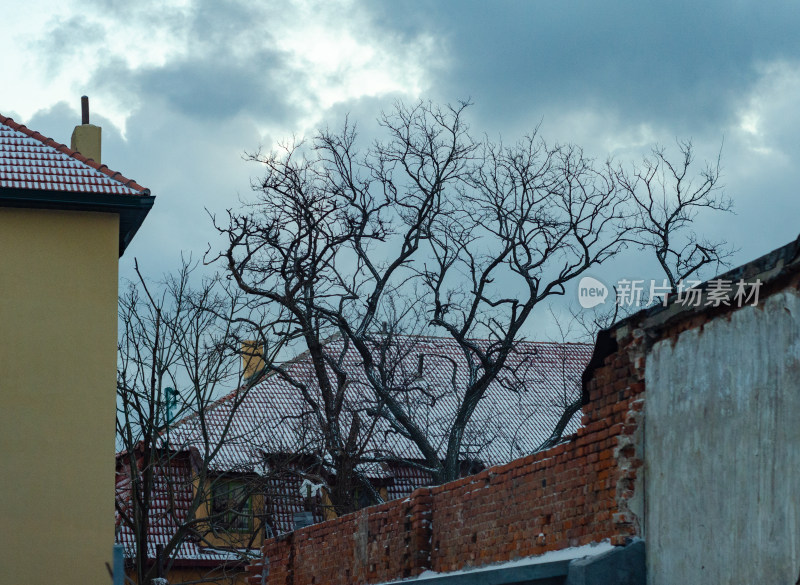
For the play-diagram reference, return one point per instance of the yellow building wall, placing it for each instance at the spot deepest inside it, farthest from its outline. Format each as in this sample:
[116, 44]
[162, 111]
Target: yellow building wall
[58, 334]
[233, 539]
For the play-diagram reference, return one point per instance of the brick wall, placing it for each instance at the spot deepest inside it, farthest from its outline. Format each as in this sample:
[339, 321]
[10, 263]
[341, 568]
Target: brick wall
[581, 491]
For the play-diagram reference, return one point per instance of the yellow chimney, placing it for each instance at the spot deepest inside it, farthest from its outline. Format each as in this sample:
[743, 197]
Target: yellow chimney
[252, 358]
[86, 137]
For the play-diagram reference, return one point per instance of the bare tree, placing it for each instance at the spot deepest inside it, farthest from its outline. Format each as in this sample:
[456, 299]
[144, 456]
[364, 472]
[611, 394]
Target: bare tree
[430, 229]
[667, 195]
[311, 245]
[350, 255]
[179, 348]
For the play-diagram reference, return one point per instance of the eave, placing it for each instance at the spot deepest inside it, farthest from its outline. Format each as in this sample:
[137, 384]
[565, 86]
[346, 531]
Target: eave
[132, 209]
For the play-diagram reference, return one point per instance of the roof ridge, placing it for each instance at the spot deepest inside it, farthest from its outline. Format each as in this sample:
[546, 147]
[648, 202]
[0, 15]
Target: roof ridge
[64, 149]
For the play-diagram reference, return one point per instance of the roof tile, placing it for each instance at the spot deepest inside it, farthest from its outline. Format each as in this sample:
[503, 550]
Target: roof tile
[518, 412]
[29, 160]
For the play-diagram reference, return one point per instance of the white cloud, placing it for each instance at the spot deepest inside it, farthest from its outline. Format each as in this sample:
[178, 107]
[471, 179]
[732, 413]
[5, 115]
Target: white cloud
[344, 57]
[767, 118]
[329, 52]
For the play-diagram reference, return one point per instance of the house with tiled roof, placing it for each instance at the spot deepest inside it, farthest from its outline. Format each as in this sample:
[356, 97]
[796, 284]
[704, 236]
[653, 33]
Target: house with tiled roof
[273, 447]
[65, 219]
[37, 172]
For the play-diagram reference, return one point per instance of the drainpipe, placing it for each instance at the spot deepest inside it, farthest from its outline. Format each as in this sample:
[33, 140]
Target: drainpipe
[119, 565]
[265, 571]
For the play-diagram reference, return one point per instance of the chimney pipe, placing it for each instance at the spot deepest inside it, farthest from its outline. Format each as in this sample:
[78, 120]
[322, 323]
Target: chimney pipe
[86, 138]
[84, 109]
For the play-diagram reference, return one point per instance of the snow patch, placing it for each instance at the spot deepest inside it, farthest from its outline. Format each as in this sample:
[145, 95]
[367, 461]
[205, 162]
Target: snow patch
[309, 488]
[564, 554]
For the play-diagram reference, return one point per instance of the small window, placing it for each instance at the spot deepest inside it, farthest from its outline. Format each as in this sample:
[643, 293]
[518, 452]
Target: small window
[231, 506]
[362, 498]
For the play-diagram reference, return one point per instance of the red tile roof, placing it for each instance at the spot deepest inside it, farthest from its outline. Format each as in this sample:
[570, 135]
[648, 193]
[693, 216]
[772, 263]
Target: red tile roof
[405, 480]
[171, 501]
[517, 413]
[284, 499]
[170, 504]
[29, 160]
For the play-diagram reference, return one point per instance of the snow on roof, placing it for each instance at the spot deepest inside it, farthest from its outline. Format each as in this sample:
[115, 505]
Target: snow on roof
[29, 160]
[517, 413]
[171, 502]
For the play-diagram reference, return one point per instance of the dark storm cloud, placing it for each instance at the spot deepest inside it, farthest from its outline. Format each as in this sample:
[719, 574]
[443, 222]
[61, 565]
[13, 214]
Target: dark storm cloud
[207, 88]
[229, 68]
[226, 63]
[64, 40]
[679, 69]
[617, 75]
[679, 61]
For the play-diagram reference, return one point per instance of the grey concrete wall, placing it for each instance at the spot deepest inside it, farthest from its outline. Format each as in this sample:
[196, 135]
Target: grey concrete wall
[722, 450]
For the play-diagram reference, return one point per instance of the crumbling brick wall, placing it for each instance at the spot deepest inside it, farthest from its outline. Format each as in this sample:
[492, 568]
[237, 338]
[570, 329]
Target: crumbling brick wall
[581, 491]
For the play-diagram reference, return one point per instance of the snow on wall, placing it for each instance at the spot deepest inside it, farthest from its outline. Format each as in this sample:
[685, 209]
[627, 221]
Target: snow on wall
[722, 454]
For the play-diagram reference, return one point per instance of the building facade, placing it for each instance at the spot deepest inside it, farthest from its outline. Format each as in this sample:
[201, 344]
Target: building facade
[65, 220]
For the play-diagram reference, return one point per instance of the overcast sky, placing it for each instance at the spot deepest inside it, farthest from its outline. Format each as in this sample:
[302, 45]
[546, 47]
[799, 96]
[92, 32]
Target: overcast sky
[183, 88]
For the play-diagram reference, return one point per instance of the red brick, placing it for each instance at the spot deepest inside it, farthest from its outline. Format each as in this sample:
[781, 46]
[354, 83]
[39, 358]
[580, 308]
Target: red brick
[494, 516]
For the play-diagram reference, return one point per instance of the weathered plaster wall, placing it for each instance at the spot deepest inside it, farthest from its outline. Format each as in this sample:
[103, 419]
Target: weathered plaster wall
[722, 449]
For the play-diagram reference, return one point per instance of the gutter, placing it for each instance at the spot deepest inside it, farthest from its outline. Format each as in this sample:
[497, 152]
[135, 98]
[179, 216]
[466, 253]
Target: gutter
[132, 209]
